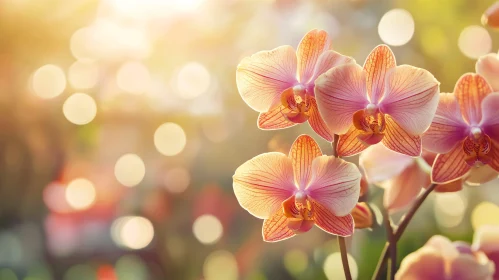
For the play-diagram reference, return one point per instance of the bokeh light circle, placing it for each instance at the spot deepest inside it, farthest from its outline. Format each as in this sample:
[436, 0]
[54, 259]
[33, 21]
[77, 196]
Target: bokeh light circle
[449, 209]
[396, 27]
[193, 79]
[220, 265]
[80, 194]
[133, 77]
[333, 267]
[474, 41]
[207, 229]
[169, 139]
[177, 180]
[83, 74]
[48, 81]
[129, 170]
[132, 232]
[79, 108]
[485, 213]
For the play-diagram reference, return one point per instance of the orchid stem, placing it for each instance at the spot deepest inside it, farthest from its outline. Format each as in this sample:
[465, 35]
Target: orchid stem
[392, 268]
[341, 239]
[400, 230]
[344, 257]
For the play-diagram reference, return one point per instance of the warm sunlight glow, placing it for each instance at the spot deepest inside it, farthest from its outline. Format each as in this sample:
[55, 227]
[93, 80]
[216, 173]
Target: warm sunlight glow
[169, 139]
[48, 81]
[449, 209]
[207, 229]
[396, 27]
[133, 77]
[220, 265]
[80, 194]
[193, 80]
[333, 267]
[79, 108]
[129, 170]
[474, 41]
[83, 74]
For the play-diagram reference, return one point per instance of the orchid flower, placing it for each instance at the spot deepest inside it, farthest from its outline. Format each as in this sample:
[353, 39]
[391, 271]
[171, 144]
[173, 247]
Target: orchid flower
[465, 131]
[381, 102]
[401, 176]
[488, 67]
[486, 240]
[442, 259]
[280, 83]
[294, 192]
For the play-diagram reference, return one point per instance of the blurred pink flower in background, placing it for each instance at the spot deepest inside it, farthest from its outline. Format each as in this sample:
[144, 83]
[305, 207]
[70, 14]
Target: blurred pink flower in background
[280, 83]
[488, 67]
[381, 102]
[294, 192]
[486, 240]
[442, 259]
[465, 130]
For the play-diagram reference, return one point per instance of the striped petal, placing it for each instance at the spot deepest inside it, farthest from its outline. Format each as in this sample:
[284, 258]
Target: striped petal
[470, 90]
[303, 152]
[262, 183]
[340, 92]
[276, 228]
[317, 123]
[411, 98]
[490, 116]
[399, 140]
[377, 65]
[262, 77]
[449, 167]
[313, 44]
[335, 184]
[275, 119]
[448, 127]
[330, 223]
[349, 143]
[328, 60]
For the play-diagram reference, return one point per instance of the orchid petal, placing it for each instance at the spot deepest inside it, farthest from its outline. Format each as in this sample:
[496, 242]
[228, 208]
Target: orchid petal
[448, 127]
[263, 76]
[275, 228]
[340, 92]
[328, 60]
[331, 223]
[488, 67]
[335, 184]
[453, 186]
[349, 144]
[490, 116]
[275, 119]
[262, 183]
[451, 166]
[480, 175]
[403, 189]
[317, 123]
[425, 263]
[303, 151]
[393, 163]
[469, 266]
[399, 140]
[411, 98]
[486, 239]
[470, 90]
[362, 216]
[313, 44]
[377, 64]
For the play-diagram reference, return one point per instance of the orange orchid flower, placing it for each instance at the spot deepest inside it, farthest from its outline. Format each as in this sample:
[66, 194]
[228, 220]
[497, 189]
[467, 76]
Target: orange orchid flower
[381, 102]
[465, 131]
[294, 192]
[280, 83]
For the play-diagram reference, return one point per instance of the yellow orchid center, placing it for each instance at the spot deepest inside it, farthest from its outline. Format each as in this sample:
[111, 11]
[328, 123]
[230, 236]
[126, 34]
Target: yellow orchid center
[300, 212]
[371, 123]
[297, 102]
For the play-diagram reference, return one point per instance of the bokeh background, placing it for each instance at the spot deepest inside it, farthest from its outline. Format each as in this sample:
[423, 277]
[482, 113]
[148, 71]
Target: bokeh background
[121, 127]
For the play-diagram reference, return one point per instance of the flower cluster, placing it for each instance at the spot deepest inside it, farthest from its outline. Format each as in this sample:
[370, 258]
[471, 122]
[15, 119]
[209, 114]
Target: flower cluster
[408, 134]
